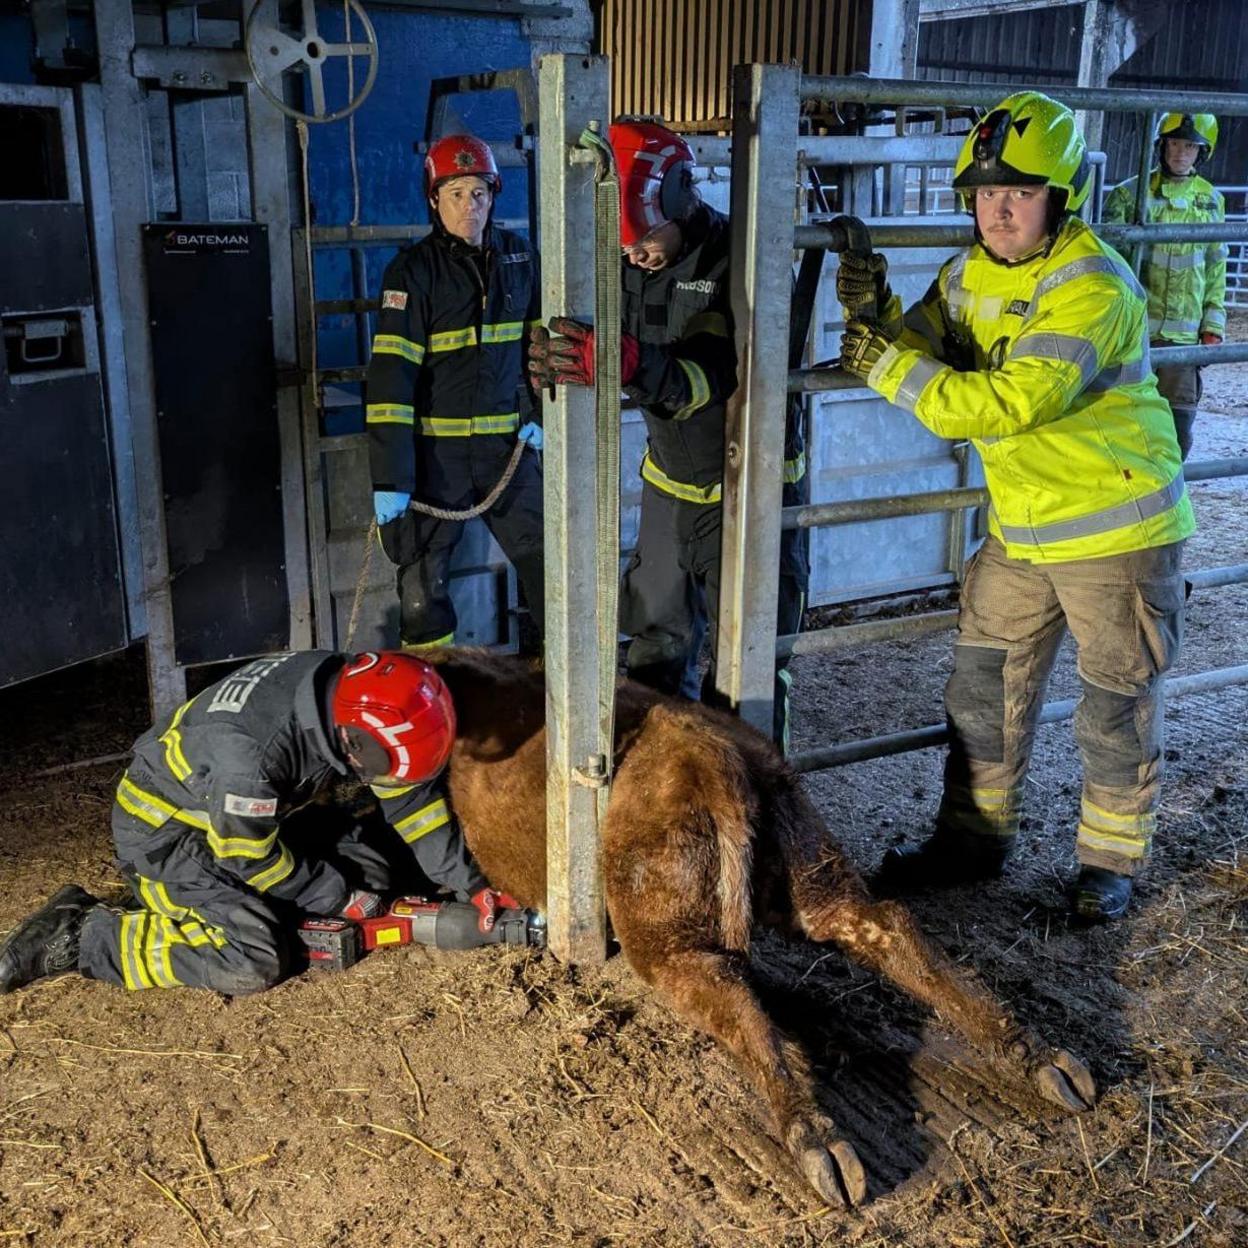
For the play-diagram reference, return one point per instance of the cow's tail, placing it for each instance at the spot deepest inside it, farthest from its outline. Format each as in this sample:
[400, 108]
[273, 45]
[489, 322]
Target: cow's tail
[731, 809]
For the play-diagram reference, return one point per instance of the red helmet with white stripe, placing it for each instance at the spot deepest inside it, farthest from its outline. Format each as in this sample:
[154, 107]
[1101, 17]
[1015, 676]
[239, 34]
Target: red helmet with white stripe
[656, 177]
[393, 717]
[458, 156]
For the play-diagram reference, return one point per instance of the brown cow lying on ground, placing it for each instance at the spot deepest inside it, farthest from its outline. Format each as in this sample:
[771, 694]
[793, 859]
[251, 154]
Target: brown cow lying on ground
[708, 833]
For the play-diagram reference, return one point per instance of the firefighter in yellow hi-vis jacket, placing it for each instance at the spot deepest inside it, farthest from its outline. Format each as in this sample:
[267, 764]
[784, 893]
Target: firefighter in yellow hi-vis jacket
[1186, 282]
[1034, 344]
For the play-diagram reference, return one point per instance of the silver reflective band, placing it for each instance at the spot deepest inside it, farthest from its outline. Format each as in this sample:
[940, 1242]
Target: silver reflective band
[1134, 512]
[1169, 325]
[1122, 375]
[1064, 347]
[1081, 268]
[915, 381]
[1184, 260]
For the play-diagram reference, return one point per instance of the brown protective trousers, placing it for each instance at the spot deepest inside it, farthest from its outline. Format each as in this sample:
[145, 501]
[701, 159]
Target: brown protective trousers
[1126, 615]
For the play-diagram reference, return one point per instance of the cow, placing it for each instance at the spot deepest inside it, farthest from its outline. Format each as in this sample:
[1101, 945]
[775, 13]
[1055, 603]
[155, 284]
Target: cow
[707, 835]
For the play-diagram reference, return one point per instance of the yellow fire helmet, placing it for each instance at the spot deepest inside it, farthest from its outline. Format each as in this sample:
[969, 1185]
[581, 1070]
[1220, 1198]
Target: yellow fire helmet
[1199, 128]
[1027, 140]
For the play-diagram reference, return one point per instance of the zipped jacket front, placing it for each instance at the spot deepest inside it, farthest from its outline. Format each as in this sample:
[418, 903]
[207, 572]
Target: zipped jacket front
[1044, 365]
[447, 375]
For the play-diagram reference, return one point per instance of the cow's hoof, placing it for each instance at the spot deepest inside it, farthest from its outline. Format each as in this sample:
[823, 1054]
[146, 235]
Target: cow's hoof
[830, 1165]
[1065, 1081]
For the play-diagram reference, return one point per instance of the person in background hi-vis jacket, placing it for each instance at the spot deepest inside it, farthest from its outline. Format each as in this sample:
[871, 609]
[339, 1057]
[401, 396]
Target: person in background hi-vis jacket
[223, 852]
[1034, 345]
[1186, 282]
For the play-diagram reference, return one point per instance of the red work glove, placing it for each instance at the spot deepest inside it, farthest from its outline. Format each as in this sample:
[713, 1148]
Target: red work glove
[1210, 340]
[489, 903]
[564, 355]
[362, 905]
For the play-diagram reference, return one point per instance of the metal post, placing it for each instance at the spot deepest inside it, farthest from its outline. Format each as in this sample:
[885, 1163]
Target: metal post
[270, 180]
[572, 91]
[1149, 121]
[129, 164]
[763, 196]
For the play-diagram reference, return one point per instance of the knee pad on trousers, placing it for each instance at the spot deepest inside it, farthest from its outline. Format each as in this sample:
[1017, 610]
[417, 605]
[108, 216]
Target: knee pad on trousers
[975, 702]
[1108, 729]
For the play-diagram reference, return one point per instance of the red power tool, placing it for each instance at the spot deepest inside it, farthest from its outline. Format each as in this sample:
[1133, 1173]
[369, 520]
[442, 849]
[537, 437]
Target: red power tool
[335, 944]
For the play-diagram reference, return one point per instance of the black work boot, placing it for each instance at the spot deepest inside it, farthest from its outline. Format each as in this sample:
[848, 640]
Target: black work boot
[940, 862]
[47, 942]
[1099, 894]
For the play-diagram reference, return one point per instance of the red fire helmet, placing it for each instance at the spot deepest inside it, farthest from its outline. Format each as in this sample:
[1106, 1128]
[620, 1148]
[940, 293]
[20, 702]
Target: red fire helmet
[656, 177]
[393, 716]
[457, 156]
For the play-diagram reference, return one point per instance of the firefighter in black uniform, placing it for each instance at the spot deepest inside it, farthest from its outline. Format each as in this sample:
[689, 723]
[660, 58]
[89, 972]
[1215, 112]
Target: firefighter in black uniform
[207, 833]
[448, 394]
[678, 360]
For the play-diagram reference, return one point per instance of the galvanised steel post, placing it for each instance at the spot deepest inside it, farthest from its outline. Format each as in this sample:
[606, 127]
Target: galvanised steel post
[832, 88]
[764, 138]
[572, 90]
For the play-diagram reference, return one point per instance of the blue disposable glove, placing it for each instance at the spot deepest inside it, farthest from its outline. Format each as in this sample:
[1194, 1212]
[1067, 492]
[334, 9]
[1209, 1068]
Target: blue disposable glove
[531, 432]
[390, 504]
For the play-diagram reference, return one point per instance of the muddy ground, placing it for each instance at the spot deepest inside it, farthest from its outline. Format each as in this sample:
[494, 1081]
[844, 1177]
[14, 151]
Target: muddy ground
[499, 1098]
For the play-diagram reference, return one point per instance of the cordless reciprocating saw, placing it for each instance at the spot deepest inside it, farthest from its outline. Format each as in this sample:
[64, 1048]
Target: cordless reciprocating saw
[335, 944]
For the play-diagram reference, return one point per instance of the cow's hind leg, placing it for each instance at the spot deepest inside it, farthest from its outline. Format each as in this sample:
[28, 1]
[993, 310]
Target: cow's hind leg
[883, 936]
[710, 989]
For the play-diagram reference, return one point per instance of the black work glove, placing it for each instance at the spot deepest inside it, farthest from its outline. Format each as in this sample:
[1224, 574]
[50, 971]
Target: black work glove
[862, 345]
[862, 280]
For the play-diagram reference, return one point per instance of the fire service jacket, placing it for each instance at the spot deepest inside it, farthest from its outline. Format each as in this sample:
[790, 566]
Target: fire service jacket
[1044, 365]
[687, 367]
[228, 766]
[1186, 282]
[448, 360]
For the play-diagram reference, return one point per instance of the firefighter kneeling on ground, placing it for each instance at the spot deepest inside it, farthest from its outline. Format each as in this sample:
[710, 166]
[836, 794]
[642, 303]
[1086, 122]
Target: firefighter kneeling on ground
[223, 853]
[1034, 345]
[1186, 282]
[678, 360]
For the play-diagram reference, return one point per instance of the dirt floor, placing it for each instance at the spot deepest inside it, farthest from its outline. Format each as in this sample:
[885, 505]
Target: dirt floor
[500, 1098]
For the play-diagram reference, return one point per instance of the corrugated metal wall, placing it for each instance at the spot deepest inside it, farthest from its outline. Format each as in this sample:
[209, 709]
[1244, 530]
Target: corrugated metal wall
[674, 58]
[1201, 43]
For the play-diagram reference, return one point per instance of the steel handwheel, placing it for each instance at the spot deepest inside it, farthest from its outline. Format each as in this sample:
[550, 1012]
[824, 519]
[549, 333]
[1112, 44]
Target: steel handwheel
[271, 52]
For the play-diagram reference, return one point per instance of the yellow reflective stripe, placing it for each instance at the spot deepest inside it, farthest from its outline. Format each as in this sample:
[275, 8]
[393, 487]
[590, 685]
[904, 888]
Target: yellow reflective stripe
[194, 818]
[389, 414]
[502, 331]
[453, 339]
[156, 953]
[133, 929]
[795, 469]
[240, 846]
[145, 806]
[533, 324]
[415, 647]
[699, 389]
[171, 738]
[707, 323]
[425, 820]
[466, 426]
[393, 344]
[386, 794]
[264, 880]
[650, 471]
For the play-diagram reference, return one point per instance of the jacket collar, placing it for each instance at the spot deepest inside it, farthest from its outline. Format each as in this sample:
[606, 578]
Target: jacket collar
[312, 709]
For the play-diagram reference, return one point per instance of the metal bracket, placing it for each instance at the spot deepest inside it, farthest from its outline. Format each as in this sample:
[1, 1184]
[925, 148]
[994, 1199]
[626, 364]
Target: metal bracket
[189, 69]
